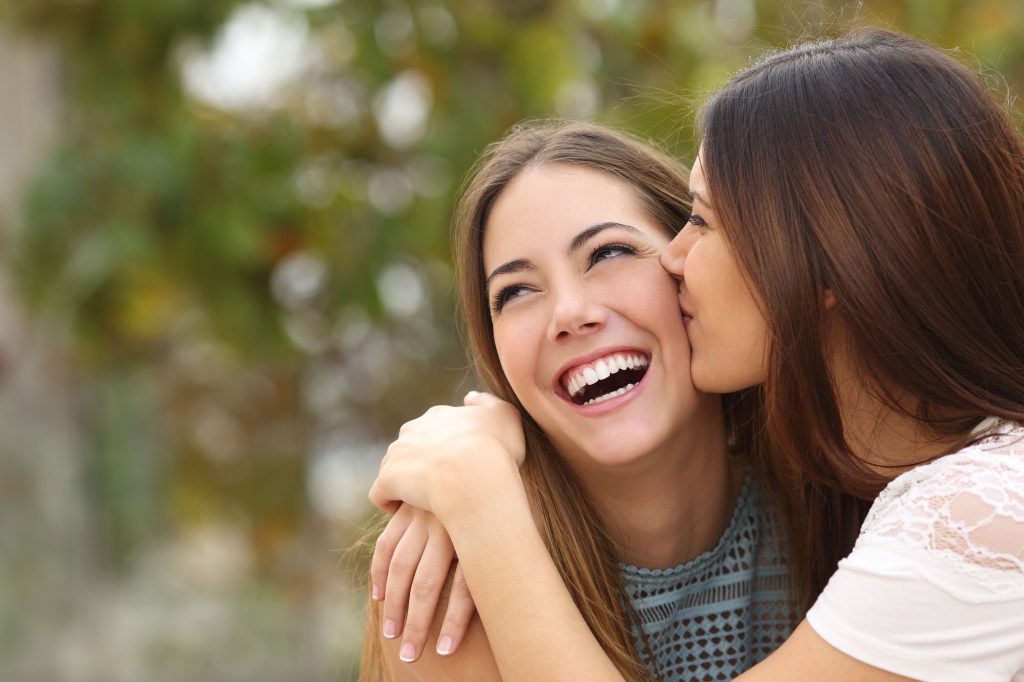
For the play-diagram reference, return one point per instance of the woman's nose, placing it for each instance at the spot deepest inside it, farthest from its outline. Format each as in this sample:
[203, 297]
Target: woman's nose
[674, 255]
[575, 313]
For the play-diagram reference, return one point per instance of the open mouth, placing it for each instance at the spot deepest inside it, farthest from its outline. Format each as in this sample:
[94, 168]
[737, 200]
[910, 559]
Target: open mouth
[606, 378]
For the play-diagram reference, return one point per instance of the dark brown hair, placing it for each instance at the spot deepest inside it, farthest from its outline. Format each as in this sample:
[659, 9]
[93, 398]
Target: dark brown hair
[879, 168]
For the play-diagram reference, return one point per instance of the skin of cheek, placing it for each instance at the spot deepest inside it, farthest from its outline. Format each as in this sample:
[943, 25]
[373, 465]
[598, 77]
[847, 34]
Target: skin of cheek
[641, 308]
[728, 333]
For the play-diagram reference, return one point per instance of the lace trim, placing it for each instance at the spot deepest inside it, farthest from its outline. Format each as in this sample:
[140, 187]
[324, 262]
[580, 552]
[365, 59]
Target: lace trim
[680, 574]
[966, 509]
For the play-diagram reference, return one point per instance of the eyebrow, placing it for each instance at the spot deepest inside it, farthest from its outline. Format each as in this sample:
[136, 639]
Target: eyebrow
[696, 196]
[581, 238]
[517, 265]
[589, 233]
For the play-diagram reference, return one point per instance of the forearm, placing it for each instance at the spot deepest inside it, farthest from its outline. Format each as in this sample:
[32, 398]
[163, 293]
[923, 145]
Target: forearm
[533, 626]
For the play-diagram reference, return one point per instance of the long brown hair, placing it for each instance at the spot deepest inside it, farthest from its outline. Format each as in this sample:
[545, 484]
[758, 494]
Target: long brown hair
[583, 549]
[580, 544]
[878, 168]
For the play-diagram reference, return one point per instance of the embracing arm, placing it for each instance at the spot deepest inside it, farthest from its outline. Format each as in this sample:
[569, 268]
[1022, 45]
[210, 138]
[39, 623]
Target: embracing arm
[475, 662]
[535, 630]
[532, 624]
[806, 657]
[534, 627]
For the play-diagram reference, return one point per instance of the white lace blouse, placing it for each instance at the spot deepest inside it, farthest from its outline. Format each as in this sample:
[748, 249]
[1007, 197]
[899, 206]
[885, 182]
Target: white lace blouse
[934, 587]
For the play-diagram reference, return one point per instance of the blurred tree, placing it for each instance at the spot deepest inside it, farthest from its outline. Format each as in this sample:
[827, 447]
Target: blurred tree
[248, 261]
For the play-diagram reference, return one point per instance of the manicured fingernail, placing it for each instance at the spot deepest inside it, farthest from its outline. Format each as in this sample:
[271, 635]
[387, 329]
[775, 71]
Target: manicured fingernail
[444, 647]
[471, 394]
[390, 628]
[375, 593]
[407, 653]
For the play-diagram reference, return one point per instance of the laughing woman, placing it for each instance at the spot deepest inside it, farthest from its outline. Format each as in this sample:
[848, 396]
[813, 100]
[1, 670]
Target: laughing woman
[637, 481]
[856, 252]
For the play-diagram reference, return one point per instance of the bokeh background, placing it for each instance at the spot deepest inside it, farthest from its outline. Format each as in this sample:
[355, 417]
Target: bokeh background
[225, 281]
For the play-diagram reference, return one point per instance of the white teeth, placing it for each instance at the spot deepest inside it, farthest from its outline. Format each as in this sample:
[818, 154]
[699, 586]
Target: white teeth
[602, 369]
[609, 396]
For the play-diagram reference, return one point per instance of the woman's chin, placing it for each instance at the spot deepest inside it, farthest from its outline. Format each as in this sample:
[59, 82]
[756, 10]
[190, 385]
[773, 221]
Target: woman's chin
[613, 451]
[710, 378]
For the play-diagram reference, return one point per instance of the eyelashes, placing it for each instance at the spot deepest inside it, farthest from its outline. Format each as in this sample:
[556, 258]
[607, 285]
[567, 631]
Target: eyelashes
[598, 254]
[504, 295]
[697, 221]
[607, 251]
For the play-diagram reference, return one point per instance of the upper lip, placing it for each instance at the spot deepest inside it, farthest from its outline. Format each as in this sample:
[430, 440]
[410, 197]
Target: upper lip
[591, 357]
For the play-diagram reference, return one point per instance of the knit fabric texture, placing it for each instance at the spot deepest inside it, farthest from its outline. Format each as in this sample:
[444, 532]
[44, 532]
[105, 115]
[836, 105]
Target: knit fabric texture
[723, 611]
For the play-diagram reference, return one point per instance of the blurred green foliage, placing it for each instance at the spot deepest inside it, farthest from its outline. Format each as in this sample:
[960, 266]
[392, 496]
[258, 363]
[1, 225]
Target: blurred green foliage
[237, 284]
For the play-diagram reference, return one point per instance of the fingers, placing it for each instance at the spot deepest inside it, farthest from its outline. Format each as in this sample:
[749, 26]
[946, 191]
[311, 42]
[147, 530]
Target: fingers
[456, 620]
[384, 549]
[382, 499]
[401, 571]
[480, 399]
[382, 496]
[425, 592]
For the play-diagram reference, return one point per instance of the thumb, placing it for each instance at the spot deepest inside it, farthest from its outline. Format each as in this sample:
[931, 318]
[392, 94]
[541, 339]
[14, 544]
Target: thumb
[481, 399]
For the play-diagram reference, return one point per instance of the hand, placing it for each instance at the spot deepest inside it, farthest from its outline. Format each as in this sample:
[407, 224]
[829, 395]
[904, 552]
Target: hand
[450, 453]
[411, 563]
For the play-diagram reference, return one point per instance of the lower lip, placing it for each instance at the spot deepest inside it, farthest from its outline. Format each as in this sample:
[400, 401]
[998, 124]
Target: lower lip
[612, 404]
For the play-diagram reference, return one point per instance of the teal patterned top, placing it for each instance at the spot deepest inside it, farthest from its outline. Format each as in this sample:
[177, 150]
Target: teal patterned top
[720, 613]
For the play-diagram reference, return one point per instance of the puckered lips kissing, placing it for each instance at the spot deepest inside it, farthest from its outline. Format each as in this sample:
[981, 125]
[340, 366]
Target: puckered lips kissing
[687, 315]
[601, 381]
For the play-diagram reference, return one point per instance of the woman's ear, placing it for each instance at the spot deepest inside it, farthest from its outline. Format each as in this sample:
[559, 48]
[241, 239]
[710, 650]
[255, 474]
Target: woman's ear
[829, 299]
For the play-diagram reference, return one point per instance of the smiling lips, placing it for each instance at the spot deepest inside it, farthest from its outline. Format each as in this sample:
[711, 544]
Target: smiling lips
[605, 378]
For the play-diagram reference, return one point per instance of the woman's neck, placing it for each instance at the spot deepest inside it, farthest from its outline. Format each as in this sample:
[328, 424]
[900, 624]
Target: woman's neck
[886, 439]
[673, 504]
[889, 442]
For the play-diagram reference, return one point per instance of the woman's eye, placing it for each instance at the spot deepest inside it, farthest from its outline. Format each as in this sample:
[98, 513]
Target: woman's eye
[505, 295]
[698, 222]
[610, 251]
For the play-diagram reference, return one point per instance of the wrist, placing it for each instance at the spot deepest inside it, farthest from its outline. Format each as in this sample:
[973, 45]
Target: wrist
[467, 496]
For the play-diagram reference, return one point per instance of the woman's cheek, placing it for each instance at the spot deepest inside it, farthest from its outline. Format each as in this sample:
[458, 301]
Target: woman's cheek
[517, 334]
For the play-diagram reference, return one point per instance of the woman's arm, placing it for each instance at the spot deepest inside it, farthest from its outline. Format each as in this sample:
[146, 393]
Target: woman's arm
[475, 662]
[806, 657]
[535, 630]
[411, 562]
[462, 464]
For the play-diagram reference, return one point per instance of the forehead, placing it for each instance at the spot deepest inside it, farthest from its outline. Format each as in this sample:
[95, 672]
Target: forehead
[698, 185]
[545, 206]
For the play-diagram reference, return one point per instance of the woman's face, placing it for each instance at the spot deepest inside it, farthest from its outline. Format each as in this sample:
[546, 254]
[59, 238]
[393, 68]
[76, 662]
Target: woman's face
[586, 322]
[728, 333]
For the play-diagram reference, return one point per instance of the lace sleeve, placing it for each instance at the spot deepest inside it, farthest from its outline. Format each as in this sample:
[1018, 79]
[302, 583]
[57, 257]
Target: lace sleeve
[966, 510]
[934, 588]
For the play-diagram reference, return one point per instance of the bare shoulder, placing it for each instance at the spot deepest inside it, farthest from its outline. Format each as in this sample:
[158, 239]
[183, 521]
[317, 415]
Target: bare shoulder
[473, 662]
